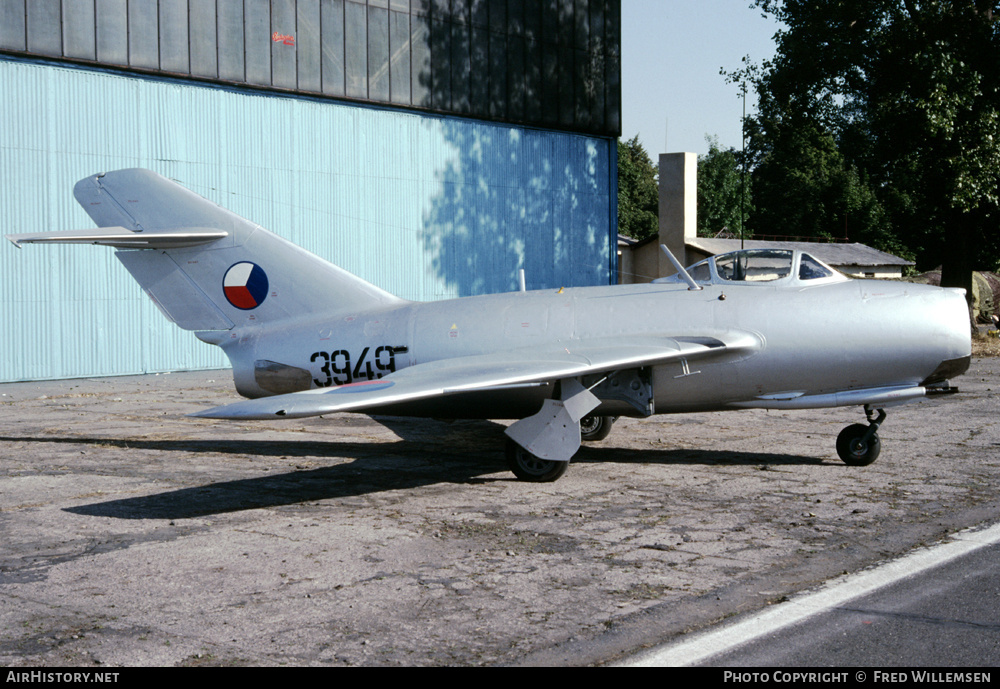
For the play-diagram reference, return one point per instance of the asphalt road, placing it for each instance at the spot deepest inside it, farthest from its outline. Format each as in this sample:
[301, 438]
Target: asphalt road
[946, 616]
[934, 607]
[133, 535]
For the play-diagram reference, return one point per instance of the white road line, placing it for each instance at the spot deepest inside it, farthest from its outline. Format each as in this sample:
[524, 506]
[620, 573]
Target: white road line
[837, 592]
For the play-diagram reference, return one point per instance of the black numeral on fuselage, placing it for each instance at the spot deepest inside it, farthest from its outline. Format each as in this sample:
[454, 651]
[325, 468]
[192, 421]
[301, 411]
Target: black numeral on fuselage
[337, 368]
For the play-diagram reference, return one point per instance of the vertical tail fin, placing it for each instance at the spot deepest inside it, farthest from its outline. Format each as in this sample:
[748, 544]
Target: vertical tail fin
[204, 266]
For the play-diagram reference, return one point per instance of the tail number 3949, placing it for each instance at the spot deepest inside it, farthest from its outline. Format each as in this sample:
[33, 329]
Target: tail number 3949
[337, 368]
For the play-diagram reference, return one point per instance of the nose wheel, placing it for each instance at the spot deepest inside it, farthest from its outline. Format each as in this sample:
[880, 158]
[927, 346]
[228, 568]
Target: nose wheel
[858, 445]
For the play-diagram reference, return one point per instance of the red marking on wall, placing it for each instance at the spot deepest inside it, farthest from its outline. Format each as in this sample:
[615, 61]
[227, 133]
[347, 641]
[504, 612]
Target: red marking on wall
[283, 38]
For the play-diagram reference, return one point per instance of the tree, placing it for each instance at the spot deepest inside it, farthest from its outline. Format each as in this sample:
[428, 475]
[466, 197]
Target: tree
[804, 186]
[720, 184]
[900, 101]
[638, 191]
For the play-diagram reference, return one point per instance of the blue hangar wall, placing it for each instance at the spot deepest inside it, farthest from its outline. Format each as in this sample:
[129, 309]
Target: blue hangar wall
[424, 206]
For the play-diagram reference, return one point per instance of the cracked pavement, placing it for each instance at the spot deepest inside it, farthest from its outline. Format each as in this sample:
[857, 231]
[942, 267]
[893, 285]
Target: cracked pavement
[133, 535]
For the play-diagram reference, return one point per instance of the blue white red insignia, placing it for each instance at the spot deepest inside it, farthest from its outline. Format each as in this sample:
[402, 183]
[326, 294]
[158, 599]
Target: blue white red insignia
[245, 285]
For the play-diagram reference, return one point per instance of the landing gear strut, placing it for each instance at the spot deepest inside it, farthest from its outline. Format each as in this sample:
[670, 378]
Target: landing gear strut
[858, 445]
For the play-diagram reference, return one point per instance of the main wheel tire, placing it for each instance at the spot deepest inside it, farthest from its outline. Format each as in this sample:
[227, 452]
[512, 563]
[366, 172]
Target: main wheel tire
[528, 467]
[853, 450]
[593, 428]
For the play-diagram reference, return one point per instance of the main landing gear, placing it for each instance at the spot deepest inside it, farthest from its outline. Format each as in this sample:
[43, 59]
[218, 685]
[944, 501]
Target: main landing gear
[594, 428]
[528, 467]
[858, 445]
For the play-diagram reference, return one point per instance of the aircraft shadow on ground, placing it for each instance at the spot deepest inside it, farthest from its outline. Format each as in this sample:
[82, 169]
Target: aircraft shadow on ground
[708, 457]
[364, 476]
[376, 467]
[372, 467]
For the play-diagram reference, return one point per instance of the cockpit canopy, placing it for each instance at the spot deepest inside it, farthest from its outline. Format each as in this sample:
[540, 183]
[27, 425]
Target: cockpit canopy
[760, 266]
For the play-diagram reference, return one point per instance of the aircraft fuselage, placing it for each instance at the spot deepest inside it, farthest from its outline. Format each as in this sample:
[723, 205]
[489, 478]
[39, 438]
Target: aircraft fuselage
[813, 340]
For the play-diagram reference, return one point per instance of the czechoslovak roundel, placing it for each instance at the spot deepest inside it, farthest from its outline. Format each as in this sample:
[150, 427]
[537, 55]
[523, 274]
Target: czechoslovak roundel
[245, 285]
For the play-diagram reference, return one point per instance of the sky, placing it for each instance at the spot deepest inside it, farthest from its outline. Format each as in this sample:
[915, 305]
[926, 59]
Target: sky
[672, 50]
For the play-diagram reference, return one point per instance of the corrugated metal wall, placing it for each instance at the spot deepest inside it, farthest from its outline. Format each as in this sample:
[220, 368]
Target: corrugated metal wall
[549, 63]
[424, 206]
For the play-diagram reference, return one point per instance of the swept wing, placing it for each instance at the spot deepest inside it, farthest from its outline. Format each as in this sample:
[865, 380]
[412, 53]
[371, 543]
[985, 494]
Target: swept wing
[518, 367]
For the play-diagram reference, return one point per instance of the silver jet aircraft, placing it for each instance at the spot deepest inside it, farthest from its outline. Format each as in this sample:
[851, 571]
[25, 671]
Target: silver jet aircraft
[765, 329]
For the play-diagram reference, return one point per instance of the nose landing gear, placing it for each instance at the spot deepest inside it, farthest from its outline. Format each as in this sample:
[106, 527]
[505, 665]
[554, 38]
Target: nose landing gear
[858, 445]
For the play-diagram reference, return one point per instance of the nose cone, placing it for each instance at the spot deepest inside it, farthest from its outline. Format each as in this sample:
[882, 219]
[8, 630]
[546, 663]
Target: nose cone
[949, 333]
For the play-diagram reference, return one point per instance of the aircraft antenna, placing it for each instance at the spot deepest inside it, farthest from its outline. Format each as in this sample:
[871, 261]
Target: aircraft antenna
[743, 177]
[692, 285]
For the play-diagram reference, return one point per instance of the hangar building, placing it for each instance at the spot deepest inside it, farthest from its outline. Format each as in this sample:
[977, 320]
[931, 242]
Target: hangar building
[432, 147]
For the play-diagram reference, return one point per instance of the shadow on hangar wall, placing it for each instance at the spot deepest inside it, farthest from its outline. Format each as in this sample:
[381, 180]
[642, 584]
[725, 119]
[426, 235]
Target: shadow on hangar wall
[553, 64]
[569, 205]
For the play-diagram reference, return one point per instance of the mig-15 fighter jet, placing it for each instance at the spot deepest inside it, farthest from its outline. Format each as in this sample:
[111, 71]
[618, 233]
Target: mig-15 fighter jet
[765, 329]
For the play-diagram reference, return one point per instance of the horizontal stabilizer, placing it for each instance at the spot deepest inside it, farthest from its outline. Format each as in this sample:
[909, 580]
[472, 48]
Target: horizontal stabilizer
[478, 373]
[123, 238]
